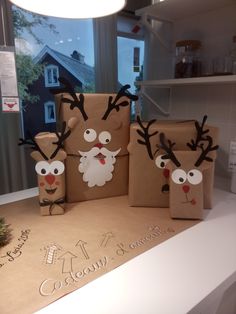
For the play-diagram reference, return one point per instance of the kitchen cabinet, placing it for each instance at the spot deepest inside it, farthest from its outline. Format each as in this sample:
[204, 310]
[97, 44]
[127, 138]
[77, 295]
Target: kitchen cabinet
[181, 15]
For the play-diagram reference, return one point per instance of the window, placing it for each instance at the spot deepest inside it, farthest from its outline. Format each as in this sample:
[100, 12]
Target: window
[130, 45]
[46, 48]
[51, 74]
[130, 61]
[49, 112]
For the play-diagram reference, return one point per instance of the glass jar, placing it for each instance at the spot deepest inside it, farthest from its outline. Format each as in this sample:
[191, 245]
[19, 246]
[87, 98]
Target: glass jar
[188, 63]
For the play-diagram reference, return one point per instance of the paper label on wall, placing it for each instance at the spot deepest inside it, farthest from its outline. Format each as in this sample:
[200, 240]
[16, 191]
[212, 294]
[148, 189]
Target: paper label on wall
[10, 104]
[8, 76]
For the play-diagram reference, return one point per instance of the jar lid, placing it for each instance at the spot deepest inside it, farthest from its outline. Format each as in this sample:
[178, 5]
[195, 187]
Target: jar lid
[193, 44]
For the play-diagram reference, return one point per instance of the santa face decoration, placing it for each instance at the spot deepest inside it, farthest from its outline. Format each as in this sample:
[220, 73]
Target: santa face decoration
[97, 164]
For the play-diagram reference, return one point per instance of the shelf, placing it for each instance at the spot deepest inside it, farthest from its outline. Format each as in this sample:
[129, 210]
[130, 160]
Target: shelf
[210, 80]
[172, 10]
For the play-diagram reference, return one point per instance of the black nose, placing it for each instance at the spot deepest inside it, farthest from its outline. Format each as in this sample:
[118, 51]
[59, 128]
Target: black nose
[165, 188]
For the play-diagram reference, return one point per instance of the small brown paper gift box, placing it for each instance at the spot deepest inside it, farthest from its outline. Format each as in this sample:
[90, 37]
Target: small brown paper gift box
[51, 177]
[97, 162]
[186, 186]
[148, 178]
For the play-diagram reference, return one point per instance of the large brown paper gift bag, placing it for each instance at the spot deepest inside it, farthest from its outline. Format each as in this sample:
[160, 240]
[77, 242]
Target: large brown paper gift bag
[148, 176]
[97, 162]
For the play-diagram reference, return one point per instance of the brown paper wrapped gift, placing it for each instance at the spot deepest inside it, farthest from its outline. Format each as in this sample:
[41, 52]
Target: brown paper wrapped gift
[148, 176]
[49, 155]
[186, 185]
[51, 176]
[97, 162]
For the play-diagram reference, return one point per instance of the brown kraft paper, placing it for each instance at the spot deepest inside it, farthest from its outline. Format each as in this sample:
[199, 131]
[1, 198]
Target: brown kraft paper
[51, 177]
[103, 176]
[148, 182]
[186, 186]
[49, 257]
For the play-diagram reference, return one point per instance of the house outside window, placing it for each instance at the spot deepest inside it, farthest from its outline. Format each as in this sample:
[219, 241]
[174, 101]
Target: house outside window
[51, 74]
[49, 112]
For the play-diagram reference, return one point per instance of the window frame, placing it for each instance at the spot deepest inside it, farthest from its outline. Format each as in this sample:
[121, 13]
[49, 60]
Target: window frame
[47, 119]
[51, 68]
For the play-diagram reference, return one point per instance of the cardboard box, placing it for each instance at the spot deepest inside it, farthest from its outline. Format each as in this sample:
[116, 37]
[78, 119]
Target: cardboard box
[148, 181]
[97, 162]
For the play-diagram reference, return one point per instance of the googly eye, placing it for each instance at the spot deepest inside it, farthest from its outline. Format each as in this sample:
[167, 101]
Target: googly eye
[90, 135]
[104, 137]
[179, 176]
[194, 176]
[160, 162]
[42, 168]
[57, 167]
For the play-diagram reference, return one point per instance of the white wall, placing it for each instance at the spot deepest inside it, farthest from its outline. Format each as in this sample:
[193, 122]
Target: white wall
[215, 29]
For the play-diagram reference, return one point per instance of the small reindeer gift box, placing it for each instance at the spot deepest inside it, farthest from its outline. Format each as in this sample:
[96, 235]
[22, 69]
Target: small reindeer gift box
[49, 156]
[186, 176]
[97, 162]
[148, 174]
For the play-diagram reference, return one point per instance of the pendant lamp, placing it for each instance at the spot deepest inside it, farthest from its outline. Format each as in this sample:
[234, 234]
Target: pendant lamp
[77, 9]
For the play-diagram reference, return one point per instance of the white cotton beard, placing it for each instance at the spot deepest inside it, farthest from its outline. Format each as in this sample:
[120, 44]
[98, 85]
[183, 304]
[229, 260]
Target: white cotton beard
[97, 171]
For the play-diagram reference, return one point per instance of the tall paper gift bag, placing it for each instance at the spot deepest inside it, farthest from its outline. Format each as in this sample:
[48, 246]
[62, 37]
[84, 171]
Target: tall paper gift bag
[49, 155]
[97, 162]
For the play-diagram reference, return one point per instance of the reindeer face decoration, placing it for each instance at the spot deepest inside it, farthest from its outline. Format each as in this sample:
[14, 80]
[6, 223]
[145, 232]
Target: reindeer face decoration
[154, 182]
[97, 162]
[98, 143]
[160, 162]
[49, 155]
[186, 174]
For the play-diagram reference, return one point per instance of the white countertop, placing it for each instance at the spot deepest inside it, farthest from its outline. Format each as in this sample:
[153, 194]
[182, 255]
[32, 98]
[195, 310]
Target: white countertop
[187, 273]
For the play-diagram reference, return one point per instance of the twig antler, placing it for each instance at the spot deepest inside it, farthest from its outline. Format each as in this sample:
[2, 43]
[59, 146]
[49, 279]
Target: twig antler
[33, 145]
[61, 138]
[200, 134]
[168, 149]
[205, 151]
[76, 102]
[146, 136]
[114, 105]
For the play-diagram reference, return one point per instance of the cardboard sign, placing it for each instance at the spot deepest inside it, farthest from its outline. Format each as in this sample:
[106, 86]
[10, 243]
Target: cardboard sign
[10, 104]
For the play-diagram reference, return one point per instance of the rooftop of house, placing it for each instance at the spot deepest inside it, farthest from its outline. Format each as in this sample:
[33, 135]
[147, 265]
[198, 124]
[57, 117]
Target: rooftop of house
[74, 64]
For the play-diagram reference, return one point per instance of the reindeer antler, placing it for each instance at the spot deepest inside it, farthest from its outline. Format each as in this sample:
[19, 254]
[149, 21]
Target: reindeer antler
[205, 151]
[34, 145]
[146, 136]
[200, 134]
[168, 149]
[76, 102]
[61, 138]
[113, 104]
